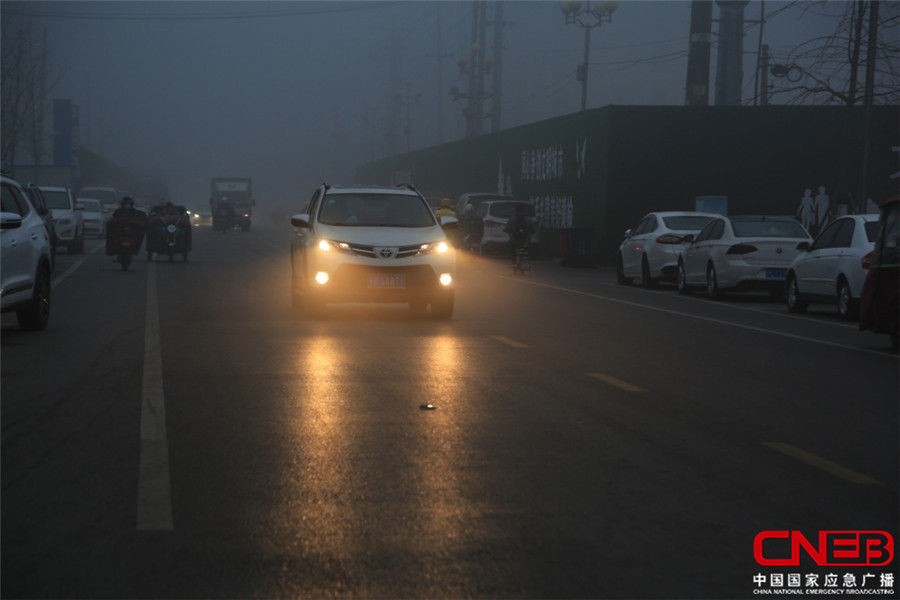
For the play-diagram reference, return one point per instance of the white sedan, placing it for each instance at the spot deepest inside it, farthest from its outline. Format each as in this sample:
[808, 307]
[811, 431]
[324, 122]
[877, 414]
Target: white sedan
[740, 252]
[834, 267]
[650, 251]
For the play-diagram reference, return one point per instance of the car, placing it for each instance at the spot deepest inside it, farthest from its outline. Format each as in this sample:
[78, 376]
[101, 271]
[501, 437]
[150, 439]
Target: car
[25, 256]
[495, 214]
[831, 269]
[67, 217]
[650, 249]
[109, 197]
[93, 216]
[738, 253]
[879, 303]
[372, 244]
[40, 205]
[201, 216]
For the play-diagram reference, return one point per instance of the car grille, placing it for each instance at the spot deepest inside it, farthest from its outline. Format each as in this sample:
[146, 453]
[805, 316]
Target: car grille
[369, 251]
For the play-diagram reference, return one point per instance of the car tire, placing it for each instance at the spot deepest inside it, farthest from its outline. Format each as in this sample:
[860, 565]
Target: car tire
[620, 271]
[442, 307]
[646, 281]
[681, 280]
[845, 305]
[795, 303]
[713, 292]
[35, 315]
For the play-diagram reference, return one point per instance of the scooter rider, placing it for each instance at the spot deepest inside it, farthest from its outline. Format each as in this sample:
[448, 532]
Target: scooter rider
[520, 229]
[125, 215]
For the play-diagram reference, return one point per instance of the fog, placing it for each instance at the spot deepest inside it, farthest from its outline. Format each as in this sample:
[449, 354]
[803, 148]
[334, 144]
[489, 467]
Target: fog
[291, 94]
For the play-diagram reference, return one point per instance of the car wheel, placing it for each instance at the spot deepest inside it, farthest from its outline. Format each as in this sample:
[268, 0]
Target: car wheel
[795, 303]
[646, 281]
[34, 317]
[844, 300]
[681, 280]
[620, 271]
[442, 307]
[712, 283]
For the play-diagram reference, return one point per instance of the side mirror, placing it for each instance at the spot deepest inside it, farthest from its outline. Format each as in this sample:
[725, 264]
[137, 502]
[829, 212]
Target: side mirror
[301, 221]
[10, 220]
[688, 239]
[448, 222]
[804, 246]
[627, 233]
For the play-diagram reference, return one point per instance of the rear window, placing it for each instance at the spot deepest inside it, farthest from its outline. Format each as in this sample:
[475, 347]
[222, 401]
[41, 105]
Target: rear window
[505, 210]
[58, 200]
[686, 223]
[871, 231]
[768, 229]
[89, 205]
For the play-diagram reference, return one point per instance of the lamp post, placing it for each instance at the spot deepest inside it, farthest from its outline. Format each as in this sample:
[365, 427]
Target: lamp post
[587, 15]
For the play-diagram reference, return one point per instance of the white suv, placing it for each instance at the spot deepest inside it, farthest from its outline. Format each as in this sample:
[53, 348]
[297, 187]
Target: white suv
[372, 244]
[67, 217]
[25, 256]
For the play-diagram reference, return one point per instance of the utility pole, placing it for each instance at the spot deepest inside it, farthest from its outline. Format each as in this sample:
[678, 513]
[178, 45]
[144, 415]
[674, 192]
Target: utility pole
[497, 82]
[868, 97]
[479, 89]
[697, 87]
[584, 66]
[764, 76]
[587, 16]
[729, 66]
[759, 44]
[440, 75]
[392, 132]
[474, 67]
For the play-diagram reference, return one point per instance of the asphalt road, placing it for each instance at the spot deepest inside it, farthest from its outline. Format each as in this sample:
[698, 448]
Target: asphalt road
[178, 432]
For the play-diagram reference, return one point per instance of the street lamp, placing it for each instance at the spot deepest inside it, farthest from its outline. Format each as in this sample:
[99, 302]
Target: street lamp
[587, 15]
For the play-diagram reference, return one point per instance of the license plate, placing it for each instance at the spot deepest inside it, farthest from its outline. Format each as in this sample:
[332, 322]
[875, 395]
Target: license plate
[387, 280]
[776, 273]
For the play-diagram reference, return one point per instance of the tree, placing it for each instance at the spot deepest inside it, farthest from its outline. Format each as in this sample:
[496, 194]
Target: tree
[826, 69]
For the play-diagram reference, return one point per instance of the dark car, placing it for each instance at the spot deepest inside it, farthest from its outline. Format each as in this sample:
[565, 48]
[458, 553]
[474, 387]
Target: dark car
[879, 304]
[40, 205]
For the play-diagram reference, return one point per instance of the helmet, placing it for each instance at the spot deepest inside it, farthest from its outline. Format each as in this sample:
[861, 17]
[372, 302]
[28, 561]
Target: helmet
[445, 203]
[127, 202]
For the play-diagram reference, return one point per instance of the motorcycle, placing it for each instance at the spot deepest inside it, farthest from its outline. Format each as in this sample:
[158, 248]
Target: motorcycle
[169, 232]
[124, 236]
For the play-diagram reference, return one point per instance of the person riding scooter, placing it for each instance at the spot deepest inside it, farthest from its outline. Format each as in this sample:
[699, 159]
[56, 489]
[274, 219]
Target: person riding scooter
[125, 231]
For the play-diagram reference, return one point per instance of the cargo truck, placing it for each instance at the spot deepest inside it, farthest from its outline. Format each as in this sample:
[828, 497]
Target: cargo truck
[231, 199]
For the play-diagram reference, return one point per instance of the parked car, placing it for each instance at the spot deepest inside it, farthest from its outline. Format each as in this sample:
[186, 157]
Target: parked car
[109, 197]
[831, 269]
[650, 250]
[740, 252]
[93, 216]
[372, 244]
[471, 221]
[25, 258]
[879, 304]
[40, 205]
[495, 214]
[67, 217]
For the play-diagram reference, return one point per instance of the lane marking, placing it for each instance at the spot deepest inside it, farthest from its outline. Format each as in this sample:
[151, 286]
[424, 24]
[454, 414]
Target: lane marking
[154, 503]
[821, 463]
[701, 318]
[59, 279]
[628, 387]
[509, 342]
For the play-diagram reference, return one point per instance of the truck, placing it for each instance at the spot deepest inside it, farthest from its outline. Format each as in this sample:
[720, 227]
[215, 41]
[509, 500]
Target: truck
[231, 195]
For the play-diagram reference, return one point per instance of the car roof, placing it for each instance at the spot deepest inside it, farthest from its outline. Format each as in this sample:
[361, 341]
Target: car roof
[506, 200]
[683, 213]
[760, 218]
[53, 188]
[398, 191]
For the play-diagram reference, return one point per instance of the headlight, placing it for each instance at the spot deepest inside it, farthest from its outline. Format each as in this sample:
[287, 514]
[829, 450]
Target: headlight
[439, 247]
[326, 245]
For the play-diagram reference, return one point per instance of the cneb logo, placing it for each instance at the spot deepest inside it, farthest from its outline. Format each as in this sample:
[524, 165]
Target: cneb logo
[833, 548]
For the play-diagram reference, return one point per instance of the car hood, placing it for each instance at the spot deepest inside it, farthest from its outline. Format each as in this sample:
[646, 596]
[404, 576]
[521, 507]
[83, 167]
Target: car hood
[381, 236]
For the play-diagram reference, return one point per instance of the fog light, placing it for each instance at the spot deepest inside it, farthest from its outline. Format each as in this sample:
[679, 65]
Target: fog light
[324, 246]
[321, 277]
[445, 279]
[441, 248]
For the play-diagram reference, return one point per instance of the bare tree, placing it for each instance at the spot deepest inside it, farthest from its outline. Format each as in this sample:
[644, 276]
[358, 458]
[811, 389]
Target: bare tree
[826, 69]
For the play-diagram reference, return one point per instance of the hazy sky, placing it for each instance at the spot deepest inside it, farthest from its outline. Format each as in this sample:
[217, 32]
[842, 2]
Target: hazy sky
[291, 93]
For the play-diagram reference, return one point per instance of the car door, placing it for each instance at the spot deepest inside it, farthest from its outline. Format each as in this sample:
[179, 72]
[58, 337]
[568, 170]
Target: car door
[698, 253]
[831, 258]
[14, 247]
[634, 248]
[811, 272]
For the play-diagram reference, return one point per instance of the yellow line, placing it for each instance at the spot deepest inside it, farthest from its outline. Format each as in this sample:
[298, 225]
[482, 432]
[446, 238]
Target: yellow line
[509, 342]
[821, 463]
[616, 382]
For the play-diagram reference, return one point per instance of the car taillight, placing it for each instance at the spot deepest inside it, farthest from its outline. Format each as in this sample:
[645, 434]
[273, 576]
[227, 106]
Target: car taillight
[742, 249]
[669, 239]
[867, 260]
[492, 223]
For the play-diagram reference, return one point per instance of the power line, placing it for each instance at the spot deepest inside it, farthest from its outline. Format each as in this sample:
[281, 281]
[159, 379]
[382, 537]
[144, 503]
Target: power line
[198, 16]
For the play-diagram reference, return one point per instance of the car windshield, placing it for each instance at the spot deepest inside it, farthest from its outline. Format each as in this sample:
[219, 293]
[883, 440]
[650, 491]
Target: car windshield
[56, 199]
[686, 223]
[766, 228]
[375, 210]
[505, 210]
[90, 205]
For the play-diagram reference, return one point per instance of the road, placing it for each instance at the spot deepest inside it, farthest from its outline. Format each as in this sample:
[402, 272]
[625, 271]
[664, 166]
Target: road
[178, 432]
